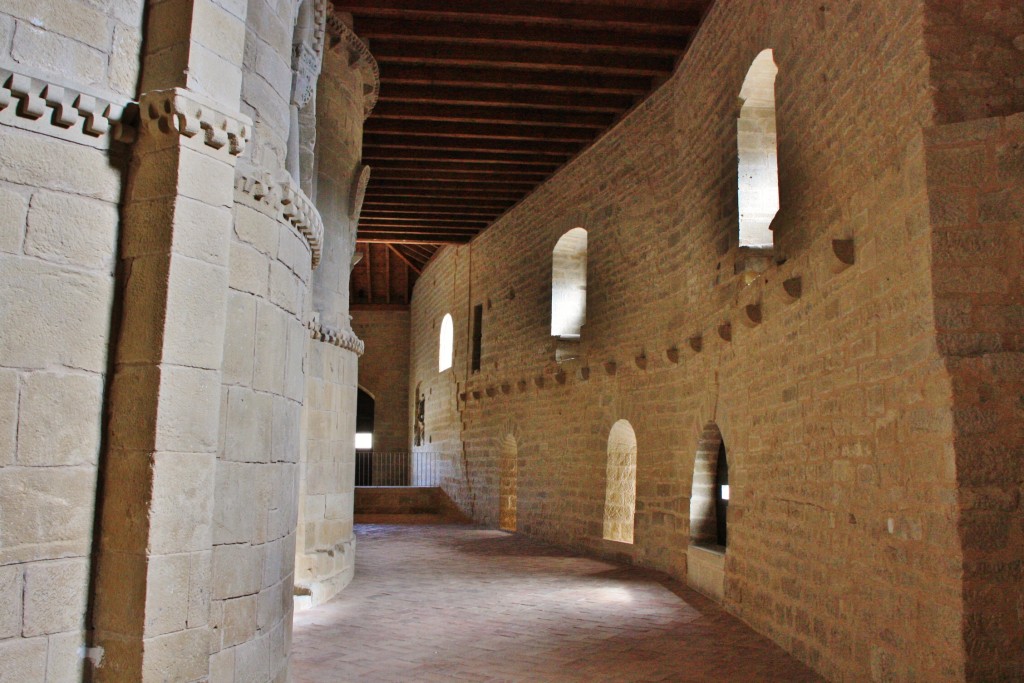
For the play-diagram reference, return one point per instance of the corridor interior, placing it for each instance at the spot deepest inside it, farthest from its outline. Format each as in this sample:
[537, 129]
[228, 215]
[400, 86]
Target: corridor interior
[434, 600]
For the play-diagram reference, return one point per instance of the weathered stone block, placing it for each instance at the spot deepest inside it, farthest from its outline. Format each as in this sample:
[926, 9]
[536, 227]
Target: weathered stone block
[249, 270]
[182, 502]
[44, 162]
[239, 339]
[239, 620]
[195, 318]
[60, 55]
[8, 415]
[47, 512]
[11, 592]
[64, 660]
[181, 656]
[60, 419]
[23, 659]
[249, 422]
[53, 316]
[236, 570]
[71, 229]
[55, 596]
[256, 229]
[167, 594]
[13, 210]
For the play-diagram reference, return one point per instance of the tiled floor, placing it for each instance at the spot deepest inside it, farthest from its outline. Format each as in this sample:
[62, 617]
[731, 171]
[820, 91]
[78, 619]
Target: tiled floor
[456, 603]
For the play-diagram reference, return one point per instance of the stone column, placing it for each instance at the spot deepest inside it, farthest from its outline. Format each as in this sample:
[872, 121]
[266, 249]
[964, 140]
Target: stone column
[152, 586]
[325, 549]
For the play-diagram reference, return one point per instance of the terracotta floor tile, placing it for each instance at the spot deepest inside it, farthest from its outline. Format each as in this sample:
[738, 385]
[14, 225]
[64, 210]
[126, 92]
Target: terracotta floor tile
[438, 602]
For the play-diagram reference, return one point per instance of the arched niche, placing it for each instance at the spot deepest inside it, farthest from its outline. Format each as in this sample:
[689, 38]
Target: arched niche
[620, 486]
[756, 141]
[508, 475]
[569, 284]
[709, 495]
[446, 343]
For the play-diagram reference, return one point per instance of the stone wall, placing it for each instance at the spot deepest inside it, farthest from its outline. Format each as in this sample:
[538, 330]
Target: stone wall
[820, 365]
[385, 374]
[157, 265]
[60, 186]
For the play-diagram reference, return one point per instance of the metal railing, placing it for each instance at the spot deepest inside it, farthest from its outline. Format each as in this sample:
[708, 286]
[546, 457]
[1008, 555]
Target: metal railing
[398, 468]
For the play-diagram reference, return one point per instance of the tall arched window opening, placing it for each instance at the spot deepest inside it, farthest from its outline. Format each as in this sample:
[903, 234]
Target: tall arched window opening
[569, 285]
[756, 140]
[620, 489]
[446, 343]
[709, 496]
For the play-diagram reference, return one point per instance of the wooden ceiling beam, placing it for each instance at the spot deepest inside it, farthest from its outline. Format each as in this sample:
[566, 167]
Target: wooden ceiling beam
[399, 239]
[418, 221]
[411, 212]
[499, 131]
[529, 12]
[428, 189]
[519, 97]
[412, 111]
[560, 81]
[372, 141]
[376, 153]
[417, 269]
[458, 166]
[510, 57]
[531, 35]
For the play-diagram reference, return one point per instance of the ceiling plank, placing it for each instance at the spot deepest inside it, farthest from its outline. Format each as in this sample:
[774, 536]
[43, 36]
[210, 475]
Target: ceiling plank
[561, 81]
[534, 35]
[500, 131]
[530, 11]
[521, 97]
[459, 166]
[390, 51]
[404, 238]
[372, 140]
[473, 113]
[375, 154]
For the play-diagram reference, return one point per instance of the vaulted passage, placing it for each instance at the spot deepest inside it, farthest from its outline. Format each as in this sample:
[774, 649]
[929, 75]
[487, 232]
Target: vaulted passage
[459, 603]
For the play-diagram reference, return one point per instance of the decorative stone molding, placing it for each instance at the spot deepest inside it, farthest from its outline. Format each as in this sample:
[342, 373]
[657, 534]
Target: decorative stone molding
[43, 106]
[359, 193]
[282, 199]
[343, 339]
[359, 57]
[185, 113]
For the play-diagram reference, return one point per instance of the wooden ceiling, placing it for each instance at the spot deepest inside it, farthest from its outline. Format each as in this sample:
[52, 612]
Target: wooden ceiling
[482, 100]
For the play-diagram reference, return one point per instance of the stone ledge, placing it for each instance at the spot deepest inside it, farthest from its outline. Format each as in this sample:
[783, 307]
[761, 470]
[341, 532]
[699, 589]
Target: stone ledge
[343, 339]
[705, 570]
[44, 106]
[284, 201]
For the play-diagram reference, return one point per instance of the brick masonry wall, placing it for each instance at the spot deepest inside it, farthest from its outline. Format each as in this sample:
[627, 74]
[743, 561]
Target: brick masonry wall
[59, 195]
[385, 374]
[976, 192]
[835, 405]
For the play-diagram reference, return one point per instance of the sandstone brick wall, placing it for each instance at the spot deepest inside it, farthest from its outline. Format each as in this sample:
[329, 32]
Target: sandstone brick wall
[976, 192]
[385, 374]
[824, 377]
[977, 51]
[59, 195]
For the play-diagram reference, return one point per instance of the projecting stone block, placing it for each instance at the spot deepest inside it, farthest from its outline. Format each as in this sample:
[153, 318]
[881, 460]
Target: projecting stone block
[55, 596]
[13, 209]
[71, 229]
[194, 324]
[53, 316]
[60, 419]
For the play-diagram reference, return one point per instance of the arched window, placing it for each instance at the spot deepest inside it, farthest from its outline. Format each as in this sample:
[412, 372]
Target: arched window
[709, 496]
[446, 343]
[620, 490]
[758, 189]
[508, 477]
[569, 284]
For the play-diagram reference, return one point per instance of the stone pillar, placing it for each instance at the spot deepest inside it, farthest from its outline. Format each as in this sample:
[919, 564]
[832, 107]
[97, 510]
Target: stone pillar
[152, 585]
[325, 550]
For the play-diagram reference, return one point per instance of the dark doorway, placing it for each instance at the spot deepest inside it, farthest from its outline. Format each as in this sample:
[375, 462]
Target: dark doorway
[364, 438]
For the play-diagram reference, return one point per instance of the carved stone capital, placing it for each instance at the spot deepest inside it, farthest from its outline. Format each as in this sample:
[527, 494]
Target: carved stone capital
[182, 112]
